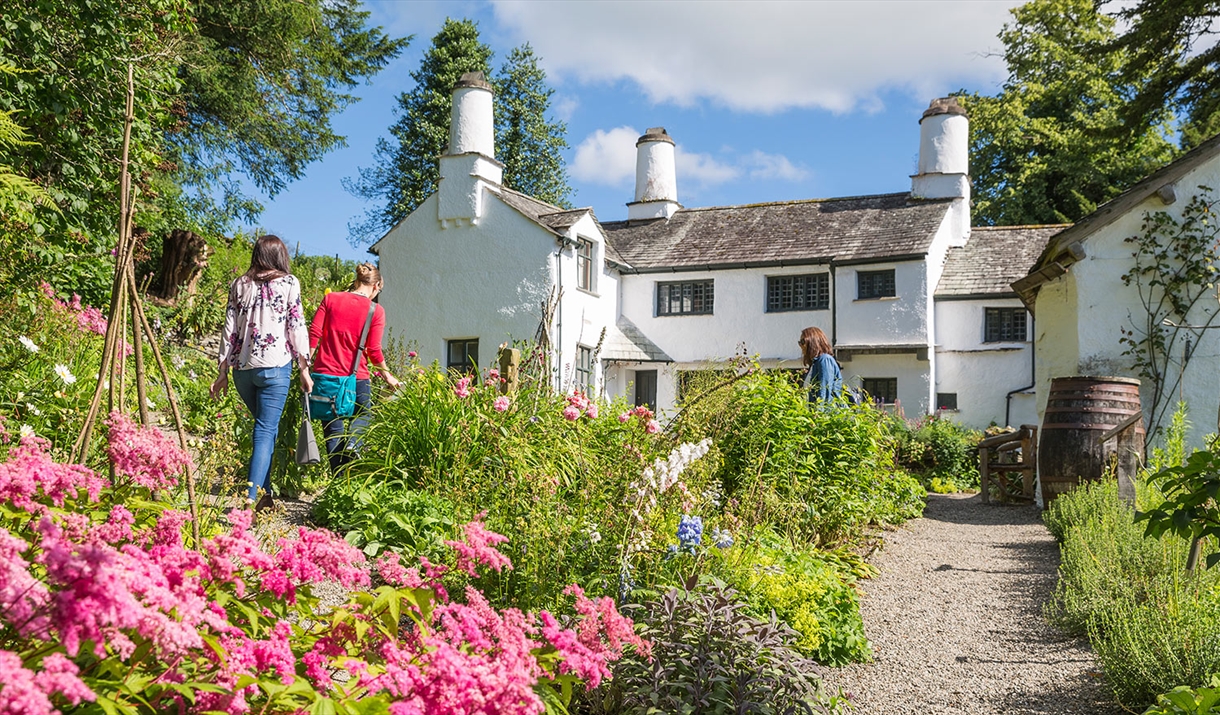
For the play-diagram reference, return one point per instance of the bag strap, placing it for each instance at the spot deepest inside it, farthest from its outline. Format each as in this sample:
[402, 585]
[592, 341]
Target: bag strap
[364, 336]
[308, 416]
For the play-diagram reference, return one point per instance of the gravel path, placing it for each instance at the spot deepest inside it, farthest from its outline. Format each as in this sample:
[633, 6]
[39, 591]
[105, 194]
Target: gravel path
[955, 619]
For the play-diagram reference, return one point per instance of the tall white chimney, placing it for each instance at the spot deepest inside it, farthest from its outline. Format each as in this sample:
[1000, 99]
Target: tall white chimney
[944, 159]
[470, 165]
[656, 177]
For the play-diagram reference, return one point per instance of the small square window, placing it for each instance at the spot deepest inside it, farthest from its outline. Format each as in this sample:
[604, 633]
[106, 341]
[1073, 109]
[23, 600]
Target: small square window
[810, 292]
[685, 298]
[883, 390]
[584, 369]
[1004, 325]
[946, 401]
[584, 264]
[875, 284]
[463, 355]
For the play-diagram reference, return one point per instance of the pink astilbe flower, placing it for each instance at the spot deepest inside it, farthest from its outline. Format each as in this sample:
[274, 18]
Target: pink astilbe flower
[144, 454]
[462, 388]
[117, 527]
[30, 469]
[479, 547]
[60, 675]
[228, 554]
[23, 598]
[90, 319]
[391, 570]
[501, 404]
[603, 629]
[571, 413]
[315, 556]
[19, 691]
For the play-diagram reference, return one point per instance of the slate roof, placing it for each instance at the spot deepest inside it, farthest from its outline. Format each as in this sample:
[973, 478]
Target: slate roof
[992, 259]
[626, 343]
[844, 230]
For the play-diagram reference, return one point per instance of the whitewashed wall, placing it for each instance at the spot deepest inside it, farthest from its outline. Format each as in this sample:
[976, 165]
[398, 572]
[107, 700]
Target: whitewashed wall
[583, 314]
[483, 281]
[1081, 314]
[980, 373]
[739, 315]
[901, 320]
[914, 378]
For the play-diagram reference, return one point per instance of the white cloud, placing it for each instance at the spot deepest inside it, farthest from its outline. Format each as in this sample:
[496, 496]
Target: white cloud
[564, 106]
[702, 169]
[606, 157]
[768, 56]
[773, 166]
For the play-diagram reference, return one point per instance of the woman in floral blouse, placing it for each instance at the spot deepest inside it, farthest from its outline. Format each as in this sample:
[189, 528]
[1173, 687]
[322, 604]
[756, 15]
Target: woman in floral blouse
[264, 332]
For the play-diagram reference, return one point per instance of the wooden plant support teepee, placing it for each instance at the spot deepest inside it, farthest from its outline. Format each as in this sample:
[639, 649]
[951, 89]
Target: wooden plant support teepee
[125, 302]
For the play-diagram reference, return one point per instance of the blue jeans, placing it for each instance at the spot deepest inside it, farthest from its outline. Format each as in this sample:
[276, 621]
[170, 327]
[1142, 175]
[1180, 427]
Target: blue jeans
[342, 444]
[264, 390]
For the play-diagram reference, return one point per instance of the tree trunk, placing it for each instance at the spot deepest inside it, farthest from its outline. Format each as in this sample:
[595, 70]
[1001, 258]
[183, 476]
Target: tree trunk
[183, 257]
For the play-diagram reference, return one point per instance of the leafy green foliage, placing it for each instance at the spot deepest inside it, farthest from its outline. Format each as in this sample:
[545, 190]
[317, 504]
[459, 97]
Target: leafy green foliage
[1052, 145]
[711, 656]
[818, 475]
[1152, 625]
[1184, 700]
[374, 514]
[940, 452]
[1190, 510]
[1168, 42]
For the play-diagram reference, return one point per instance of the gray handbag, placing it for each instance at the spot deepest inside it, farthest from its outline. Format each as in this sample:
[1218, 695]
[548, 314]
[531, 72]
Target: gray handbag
[307, 446]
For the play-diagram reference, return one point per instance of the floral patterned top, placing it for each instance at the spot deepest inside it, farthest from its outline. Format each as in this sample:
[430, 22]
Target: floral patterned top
[264, 324]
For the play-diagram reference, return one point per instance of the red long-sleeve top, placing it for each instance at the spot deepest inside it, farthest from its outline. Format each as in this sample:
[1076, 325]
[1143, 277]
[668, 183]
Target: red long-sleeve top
[335, 332]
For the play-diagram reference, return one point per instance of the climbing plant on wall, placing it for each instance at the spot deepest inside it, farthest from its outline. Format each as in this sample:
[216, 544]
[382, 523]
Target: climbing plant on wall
[1175, 273]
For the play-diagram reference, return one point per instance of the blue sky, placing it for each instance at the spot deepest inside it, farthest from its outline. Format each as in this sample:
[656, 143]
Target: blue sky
[766, 100]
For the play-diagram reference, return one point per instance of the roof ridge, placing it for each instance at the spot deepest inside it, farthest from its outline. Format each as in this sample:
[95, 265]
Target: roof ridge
[535, 199]
[790, 202]
[1020, 226]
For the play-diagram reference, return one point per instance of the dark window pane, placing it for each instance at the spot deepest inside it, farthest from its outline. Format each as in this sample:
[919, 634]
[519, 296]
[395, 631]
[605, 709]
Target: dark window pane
[875, 284]
[881, 389]
[1004, 325]
[685, 298]
[810, 292]
[946, 400]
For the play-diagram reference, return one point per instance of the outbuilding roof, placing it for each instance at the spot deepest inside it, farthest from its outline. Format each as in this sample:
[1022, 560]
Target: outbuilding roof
[992, 259]
[844, 230]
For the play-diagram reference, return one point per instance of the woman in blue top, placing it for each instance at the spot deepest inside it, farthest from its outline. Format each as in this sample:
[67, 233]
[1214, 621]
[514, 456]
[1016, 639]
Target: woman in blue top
[822, 378]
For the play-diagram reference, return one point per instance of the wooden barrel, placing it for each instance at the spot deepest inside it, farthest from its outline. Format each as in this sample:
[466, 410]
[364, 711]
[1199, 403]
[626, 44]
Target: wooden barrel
[1079, 412]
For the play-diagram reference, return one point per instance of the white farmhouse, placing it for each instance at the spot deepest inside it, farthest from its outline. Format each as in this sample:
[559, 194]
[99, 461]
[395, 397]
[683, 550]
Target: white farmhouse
[896, 280]
[1083, 305]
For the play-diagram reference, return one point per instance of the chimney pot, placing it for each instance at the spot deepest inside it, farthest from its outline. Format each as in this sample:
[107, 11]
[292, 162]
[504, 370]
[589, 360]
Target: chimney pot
[475, 80]
[656, 177]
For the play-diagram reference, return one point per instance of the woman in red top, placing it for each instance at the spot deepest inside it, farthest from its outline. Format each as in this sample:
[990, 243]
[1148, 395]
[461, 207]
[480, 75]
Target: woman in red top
[334, 337]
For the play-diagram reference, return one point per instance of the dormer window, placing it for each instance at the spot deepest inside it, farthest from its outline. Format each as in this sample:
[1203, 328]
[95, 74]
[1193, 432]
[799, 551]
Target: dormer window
[584, 264]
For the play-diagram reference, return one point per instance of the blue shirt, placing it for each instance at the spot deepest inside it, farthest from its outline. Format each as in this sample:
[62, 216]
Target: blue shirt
[824, 381]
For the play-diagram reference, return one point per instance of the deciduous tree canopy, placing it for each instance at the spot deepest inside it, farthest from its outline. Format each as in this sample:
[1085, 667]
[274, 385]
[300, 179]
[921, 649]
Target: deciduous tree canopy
[1052, 144]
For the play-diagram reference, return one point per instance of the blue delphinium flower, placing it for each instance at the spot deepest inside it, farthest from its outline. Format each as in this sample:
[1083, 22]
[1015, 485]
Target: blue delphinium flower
[671, 552]
[690, 532]
[721, 538]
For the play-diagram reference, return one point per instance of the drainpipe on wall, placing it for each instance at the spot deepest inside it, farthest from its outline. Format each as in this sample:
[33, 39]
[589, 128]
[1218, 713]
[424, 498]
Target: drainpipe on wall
[559, 315]
[1033, 380]
[834, 307]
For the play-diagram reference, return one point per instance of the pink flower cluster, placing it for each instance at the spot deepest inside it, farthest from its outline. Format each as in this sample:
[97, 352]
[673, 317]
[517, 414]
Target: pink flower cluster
[501, 404]
[651, 426]
[88, 318]
[122, 588]
[31, 474]
[578, 404]
[144, 454]
[462, 387]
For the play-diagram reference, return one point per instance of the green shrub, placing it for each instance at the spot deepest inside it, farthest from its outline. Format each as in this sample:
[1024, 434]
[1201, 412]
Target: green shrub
[710, 656]
[811, 591]
[1183, 700]
[1152, 625]
[817, 474]
[376, 514]
[943, 454]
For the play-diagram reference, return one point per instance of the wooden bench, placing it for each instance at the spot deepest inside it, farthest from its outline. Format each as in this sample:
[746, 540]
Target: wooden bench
[1015, 451]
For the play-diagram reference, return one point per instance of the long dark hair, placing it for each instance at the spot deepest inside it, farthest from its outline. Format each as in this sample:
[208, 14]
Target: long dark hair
[269, 260]
[813, 343]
